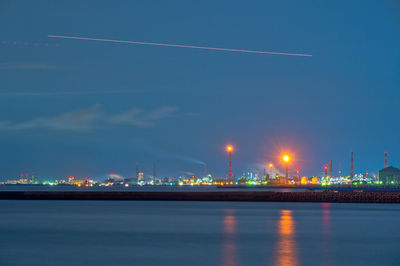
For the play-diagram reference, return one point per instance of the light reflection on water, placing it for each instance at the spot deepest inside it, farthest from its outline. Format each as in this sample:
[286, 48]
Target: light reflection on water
[229, 256]
[286, 248]
[326, 219]
[326, 232]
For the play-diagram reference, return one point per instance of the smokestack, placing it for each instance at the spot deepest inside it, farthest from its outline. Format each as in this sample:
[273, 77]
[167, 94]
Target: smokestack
[330, 168]
[386, 162]
[352, 166]
[154, 171]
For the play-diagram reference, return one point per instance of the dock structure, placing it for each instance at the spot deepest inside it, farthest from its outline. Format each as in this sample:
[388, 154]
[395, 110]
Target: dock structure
[263, 196]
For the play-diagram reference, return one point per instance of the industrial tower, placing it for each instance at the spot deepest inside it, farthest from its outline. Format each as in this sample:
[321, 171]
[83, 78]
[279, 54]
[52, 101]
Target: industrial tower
[386, 161]
[229, 149]
[154, 171]
[330, 173]
[352, 165]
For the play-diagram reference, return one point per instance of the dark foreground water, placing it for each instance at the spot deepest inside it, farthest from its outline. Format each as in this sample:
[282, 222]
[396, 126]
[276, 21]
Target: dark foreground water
[197, 233]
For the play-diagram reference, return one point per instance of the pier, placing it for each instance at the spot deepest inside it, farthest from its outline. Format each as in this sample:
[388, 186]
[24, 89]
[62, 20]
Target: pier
[261, 196]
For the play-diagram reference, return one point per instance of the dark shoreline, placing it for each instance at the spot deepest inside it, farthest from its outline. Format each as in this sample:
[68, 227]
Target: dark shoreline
[261, 196]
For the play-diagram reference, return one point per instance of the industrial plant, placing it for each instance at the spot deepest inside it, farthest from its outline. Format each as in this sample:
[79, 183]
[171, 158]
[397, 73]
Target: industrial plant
[273, 174]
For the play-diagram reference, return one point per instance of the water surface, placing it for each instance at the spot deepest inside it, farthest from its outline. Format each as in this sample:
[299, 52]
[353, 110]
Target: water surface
[197, 233]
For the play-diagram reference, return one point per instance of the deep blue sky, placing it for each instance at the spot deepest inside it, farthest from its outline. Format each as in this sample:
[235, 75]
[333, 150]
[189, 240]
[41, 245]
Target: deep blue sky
[87, 108]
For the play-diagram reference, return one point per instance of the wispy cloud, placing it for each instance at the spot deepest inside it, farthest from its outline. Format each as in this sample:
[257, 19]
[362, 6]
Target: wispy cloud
[13, 65]
[87, 119]
[140, 118]
[80, 120]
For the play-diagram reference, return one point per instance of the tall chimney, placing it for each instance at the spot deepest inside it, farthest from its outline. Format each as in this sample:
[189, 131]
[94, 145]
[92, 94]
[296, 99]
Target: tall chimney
[352, 166]
[154, 171]
[330, 168]
[386, 163]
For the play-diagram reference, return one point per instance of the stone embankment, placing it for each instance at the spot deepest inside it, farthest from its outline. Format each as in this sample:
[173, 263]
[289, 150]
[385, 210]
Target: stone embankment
[350, 197]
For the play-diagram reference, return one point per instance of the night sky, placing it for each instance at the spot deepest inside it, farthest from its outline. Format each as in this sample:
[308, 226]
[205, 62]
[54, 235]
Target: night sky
[87, 108]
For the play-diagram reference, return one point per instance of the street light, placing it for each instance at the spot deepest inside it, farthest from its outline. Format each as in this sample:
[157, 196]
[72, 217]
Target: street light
[270, 170]
[286, 159]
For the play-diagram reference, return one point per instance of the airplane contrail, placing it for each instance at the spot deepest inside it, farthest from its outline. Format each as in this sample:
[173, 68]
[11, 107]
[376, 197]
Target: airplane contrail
[176, 45]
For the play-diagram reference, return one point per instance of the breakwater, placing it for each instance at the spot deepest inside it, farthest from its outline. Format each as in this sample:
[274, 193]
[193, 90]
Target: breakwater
[327, 196]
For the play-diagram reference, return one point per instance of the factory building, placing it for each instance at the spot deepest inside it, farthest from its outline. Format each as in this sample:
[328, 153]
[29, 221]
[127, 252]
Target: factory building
[389, 175]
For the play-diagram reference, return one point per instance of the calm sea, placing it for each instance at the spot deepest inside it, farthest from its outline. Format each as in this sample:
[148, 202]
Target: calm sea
[197, 233]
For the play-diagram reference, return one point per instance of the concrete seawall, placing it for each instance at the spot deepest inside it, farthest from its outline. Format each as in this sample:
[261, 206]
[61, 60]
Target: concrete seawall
[350, 197]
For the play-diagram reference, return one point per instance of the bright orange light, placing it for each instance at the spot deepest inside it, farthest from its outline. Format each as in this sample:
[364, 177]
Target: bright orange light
[286, 158]
[229, 148]
[271, 165]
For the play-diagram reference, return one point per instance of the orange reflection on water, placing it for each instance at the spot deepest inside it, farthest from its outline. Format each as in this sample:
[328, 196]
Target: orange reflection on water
[286, 251]
[229, 257]
[326, 233]
[326, 218]
[229, 222]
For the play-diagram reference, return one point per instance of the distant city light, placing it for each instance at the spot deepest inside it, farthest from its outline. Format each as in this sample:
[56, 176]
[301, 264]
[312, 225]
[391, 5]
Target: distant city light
[286, 158]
